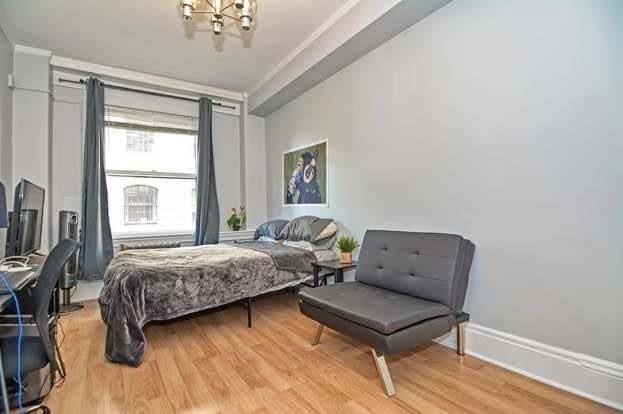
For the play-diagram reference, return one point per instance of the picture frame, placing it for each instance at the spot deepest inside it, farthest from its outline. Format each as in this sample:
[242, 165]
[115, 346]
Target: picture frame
[305, 175]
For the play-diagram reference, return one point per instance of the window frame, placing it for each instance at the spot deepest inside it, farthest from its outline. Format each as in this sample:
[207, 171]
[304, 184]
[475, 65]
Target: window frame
[153, 204]
[152, 232]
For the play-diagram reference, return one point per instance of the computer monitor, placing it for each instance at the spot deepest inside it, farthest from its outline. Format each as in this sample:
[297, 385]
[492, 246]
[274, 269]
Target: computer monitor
[26, 220]
[3, 212]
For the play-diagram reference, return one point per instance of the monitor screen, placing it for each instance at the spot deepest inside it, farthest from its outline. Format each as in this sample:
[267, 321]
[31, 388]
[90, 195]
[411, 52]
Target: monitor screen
[3, 212]
[26, 219]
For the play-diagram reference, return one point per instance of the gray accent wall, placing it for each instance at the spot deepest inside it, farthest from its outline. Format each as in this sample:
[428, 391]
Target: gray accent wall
[501, 121]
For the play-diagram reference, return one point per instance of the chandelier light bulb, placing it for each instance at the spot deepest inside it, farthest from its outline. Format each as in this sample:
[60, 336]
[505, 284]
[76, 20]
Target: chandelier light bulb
[246, 14]
[218, 8]
[245, 22]
[243, 11]
[188, 7]
[217, 25]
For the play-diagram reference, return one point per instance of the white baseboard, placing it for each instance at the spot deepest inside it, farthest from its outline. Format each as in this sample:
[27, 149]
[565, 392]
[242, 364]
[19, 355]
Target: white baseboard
[583, 375]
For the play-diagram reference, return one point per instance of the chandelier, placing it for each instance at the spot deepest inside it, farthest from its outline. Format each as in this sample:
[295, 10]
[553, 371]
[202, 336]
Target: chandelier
[242, 11]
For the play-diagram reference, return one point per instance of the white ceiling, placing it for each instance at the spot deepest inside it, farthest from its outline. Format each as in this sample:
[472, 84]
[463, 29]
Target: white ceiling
[149, 36]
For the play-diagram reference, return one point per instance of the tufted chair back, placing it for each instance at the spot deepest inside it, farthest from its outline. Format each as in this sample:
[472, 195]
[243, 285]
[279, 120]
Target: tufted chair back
[431, 266]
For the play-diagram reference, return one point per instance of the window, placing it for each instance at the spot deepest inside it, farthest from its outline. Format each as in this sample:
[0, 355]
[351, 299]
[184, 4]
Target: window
[139, 141]
[141, 204]
[193, 206]
[150, 161]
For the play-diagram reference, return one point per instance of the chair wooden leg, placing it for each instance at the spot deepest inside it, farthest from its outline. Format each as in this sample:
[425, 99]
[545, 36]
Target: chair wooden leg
[460, 338]
[383, 370]
[317, 334]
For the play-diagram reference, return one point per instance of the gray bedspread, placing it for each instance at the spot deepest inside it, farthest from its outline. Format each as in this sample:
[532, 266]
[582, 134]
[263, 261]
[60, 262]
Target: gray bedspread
[283, 256]
[149, 285]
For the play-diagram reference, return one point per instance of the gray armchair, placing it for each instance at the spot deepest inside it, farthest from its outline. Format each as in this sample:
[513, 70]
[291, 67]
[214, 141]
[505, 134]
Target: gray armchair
[409, 288]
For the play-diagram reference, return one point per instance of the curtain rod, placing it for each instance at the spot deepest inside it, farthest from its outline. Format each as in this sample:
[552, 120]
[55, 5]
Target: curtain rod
[125, 88]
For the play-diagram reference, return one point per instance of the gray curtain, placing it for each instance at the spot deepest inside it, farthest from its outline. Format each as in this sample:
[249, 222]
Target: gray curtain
[208, 217]
[96, 250]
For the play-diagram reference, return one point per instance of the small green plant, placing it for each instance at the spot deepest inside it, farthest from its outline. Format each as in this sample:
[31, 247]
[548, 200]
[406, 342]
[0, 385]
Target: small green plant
[237, 219]
[347, 244]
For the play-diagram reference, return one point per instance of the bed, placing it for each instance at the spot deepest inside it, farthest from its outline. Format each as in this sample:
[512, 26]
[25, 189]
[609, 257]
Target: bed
[141, 286]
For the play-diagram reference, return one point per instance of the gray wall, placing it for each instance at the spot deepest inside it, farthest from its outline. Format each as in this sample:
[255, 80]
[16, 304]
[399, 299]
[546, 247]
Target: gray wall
[6, 103]
[501, 121]
[31, 123]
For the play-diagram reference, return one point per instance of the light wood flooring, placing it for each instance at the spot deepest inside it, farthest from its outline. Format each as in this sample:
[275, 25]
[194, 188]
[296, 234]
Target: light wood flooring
[214, 364]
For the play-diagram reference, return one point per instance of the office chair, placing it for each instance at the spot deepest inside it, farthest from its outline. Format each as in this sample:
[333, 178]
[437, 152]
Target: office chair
[39, 350]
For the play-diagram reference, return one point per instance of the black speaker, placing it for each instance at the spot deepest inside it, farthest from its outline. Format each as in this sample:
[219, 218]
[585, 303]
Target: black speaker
[68, 229]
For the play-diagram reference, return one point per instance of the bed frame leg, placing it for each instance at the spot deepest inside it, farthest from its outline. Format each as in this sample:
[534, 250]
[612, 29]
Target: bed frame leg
[249, 314]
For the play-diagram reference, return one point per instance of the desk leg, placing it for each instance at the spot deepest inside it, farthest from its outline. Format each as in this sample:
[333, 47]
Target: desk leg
[316, 271]
[5, 394]
[339, 275]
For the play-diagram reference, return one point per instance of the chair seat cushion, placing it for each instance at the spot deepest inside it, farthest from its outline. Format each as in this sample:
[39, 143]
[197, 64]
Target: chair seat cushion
[33, 355]
[383, 310]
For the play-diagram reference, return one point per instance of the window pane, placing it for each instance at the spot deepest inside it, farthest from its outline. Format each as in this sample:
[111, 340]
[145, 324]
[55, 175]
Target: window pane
[132, 150]
[139, 141]
[151, 205]
[140, 204]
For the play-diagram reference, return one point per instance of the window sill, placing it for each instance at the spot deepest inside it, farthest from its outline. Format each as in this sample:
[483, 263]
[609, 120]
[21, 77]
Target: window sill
[186, 239]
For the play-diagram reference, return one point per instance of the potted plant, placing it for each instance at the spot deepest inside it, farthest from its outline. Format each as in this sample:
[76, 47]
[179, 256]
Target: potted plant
[346, 245]
[237, 219]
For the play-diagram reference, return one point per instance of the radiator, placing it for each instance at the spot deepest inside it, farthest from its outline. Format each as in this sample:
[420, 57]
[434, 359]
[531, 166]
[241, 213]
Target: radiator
[160, 245]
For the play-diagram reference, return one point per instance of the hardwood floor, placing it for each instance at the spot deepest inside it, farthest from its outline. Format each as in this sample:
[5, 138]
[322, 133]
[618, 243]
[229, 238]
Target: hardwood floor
[214, 364]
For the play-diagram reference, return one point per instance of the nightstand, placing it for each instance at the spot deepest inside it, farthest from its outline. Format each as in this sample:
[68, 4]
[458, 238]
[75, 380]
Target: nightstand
[331, 268]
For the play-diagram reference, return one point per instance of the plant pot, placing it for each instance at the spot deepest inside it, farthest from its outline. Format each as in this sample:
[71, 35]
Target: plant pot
[346, 258]
[236, 228]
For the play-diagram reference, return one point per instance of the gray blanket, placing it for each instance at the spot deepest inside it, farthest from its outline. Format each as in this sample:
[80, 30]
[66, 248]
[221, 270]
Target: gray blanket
[149, 285]
[284, 257]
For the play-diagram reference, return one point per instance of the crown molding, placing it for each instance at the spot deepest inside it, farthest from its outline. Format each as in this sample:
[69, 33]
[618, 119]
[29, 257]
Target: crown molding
[356, 30]
[127, 75]
[33, 51]
[326, 25]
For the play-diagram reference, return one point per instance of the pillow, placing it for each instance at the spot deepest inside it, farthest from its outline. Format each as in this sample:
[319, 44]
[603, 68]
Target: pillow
[326, 243]
[305, 245]
[328, 231]
[270, 229]
[305, 228]
[268, 239]
[302, 244]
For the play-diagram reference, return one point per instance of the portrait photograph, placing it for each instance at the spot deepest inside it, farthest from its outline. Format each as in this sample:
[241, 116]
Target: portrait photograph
[305, 180]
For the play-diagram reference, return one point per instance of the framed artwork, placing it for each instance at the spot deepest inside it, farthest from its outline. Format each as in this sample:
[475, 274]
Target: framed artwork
[305, 178]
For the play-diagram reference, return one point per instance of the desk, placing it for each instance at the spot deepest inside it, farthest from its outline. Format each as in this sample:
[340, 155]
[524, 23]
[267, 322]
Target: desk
[5, 300]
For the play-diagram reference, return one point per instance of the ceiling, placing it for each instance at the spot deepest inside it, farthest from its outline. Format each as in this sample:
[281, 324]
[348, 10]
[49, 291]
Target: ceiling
[149, 36]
